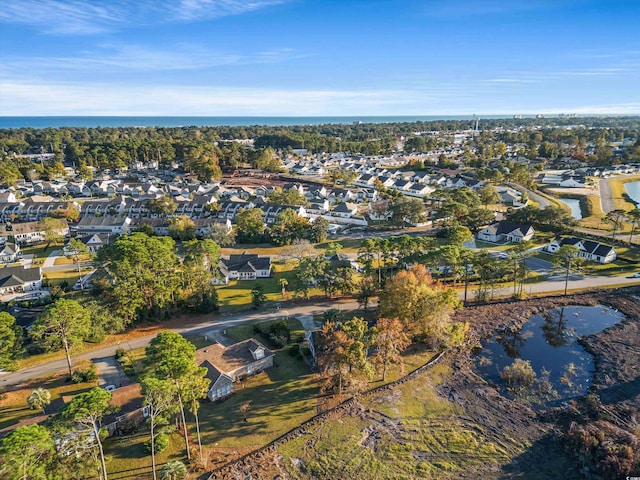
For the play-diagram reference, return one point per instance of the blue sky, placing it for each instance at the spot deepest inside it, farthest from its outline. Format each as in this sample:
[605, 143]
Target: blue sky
[318, 57]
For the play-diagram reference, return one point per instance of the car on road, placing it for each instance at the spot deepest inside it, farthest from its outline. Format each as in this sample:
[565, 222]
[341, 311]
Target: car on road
[635, 275]
[110, 388]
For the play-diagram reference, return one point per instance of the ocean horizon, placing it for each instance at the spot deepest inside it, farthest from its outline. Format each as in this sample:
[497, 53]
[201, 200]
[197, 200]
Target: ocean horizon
[8, 122]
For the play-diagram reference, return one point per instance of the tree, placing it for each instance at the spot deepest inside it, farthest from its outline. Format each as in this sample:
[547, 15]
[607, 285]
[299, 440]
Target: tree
[87, 410]
[244, 409]
[172, 357]
[175, 470]
[10, 341]
[162, 205]
[196, 386]
[331, 353]
[258, 298]
[288, 227]
[616, 218]
[223, 236]
[319, 230]
[366, 290]
[340, 175]
[200, 159]
[634, 218]
[159, 397]
[390, 340]
[182, 228]
[488, 195]
[64, 323]
[75, 250]
[518, 255]
[54, 229]
[568, 259]
[425, 307]
[144, 274]
[250, 225]
[200, 266]
[39, 399]
[26, 453]
[299, 249]
[407, 211]
[291, 196]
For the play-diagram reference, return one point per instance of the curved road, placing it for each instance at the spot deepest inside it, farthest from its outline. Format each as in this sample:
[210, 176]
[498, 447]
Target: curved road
[213, 328]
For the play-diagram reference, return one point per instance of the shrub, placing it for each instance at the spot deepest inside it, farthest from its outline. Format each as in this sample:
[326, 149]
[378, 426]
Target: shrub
[162, 442]
[519, 376]
[279, 334]
[88, 375]
[294, 350]
[120, 352]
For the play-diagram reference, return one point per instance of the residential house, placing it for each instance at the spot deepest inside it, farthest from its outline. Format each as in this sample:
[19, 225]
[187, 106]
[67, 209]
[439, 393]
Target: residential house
[511, 197]
[27, 233]
[107, 224]
[504, 231]
[379, 211]
[345, 210]
[589, 250]
[8, 197]
[20, 279]
[9, 252]
[93, 242]
[226, 365]
[129, 410]
[244, 267]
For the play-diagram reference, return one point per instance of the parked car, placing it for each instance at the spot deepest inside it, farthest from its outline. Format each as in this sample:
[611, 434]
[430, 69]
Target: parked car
[635, 275]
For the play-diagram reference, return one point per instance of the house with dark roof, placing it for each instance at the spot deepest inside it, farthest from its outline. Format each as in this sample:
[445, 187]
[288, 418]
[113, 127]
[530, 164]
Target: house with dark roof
[107, 224]
[19, 279]
[589, 250]
[504, 231]
[9, 252]
[129, 410]
[226, 365]
[244, 267]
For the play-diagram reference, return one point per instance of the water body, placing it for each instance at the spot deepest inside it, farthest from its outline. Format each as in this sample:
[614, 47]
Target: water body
[633, 190]
[549, 341]
[142, 121]
[574, 205]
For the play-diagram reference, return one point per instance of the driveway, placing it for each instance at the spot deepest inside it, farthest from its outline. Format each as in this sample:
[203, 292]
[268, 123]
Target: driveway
[538, 265]
[109, 371]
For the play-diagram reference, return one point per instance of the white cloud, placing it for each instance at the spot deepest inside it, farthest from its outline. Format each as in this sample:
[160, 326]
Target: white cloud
[114, 57]
[31, 98]
[80, 17]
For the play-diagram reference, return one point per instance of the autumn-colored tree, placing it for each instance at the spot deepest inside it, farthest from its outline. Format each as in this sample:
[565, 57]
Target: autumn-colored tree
[391, 340]
[421, 304]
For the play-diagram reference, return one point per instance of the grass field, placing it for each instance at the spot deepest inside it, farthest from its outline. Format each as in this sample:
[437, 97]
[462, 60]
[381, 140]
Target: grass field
[408, 432]
[619, 194]
[237, 294]
[14, 407]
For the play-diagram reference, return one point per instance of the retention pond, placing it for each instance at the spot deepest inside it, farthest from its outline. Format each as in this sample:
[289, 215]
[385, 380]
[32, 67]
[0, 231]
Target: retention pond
[549, 341]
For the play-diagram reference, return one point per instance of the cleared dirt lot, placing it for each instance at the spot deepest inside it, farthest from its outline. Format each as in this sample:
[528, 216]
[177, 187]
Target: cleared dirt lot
[447, 422]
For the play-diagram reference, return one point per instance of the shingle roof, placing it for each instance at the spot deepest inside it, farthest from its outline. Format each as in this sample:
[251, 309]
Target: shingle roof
[17, 276]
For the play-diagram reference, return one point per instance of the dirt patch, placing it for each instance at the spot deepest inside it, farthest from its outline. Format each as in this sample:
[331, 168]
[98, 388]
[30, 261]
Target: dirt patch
[455, 424]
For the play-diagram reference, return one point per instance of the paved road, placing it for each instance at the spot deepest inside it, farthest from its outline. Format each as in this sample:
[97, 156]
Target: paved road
[215, 327]
[212, 328]
[606, 197]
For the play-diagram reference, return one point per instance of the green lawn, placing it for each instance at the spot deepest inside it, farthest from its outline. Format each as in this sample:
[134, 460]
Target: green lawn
[14, 407]
[237, 294]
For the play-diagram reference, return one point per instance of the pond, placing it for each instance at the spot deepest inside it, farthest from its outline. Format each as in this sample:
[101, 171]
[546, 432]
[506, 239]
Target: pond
[549, 341]
[633, 190]
[574, 205]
